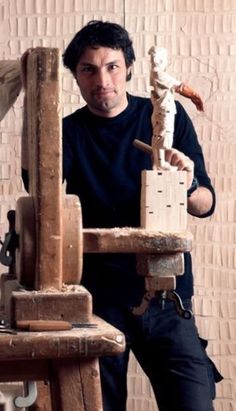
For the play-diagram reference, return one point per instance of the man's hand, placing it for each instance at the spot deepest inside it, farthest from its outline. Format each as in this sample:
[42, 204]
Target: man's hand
[201, 200]
[182, 162]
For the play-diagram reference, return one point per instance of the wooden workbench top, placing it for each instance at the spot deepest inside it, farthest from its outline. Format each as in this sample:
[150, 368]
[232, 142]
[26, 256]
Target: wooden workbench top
[77, 342]
[135, 240]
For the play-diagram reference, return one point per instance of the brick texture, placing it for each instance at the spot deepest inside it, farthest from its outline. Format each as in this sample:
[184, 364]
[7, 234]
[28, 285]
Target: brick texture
[201, 39]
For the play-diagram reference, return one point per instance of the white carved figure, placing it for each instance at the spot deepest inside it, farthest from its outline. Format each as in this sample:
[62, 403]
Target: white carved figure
[162, 95]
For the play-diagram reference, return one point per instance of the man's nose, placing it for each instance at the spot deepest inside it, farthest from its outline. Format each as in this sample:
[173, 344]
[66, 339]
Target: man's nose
[102, 78]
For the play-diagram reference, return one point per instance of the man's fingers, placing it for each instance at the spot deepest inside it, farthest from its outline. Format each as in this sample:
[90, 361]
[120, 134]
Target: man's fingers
[179, 160]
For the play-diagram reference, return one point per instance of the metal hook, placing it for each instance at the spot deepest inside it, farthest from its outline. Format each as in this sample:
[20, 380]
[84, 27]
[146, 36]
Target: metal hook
[23, 402]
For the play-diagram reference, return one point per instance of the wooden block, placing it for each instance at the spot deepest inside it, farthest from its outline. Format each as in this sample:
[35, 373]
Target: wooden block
[160, 265]
[9, 287]
[164, 200]
[73, 306]
[160, 283]
[44, 152]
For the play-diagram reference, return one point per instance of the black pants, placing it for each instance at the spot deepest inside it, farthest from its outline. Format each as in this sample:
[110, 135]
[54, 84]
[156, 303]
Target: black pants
[169, 351]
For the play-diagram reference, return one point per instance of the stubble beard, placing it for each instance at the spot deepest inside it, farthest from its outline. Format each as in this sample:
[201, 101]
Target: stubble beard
[105, 105]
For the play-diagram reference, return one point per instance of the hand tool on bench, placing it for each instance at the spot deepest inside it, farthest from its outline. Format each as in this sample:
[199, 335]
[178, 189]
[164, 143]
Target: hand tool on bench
[50, 325]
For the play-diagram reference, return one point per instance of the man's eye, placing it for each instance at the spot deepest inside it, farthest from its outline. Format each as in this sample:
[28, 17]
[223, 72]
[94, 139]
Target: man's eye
[87, 69]
[113, 67]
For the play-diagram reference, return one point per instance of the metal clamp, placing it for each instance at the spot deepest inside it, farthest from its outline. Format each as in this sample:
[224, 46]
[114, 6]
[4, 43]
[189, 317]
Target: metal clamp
[172, 295]
[162, 296]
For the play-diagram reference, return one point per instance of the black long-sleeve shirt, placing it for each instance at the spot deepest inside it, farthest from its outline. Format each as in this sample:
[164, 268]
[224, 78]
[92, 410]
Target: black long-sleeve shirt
[102, 166]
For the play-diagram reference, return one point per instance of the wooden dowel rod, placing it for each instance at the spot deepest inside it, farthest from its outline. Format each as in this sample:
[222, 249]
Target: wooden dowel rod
[148, 149]
[142, 146]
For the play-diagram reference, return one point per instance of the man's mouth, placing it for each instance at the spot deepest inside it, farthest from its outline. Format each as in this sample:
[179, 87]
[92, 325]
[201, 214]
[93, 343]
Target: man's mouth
[102, 93]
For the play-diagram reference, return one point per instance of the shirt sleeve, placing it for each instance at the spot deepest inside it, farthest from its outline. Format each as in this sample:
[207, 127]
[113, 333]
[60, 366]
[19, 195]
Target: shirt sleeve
[186, 140]
[67, 150]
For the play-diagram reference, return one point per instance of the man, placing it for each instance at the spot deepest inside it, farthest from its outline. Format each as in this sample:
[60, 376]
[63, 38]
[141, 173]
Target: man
[103, 168]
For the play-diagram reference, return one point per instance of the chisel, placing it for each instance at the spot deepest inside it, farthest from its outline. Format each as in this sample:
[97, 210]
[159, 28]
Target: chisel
[50, 325]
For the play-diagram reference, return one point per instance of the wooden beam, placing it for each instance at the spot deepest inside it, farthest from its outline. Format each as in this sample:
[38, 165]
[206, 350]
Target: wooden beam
[44, 149]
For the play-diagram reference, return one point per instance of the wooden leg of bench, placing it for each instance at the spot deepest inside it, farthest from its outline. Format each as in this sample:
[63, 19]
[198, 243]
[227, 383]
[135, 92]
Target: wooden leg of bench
[75, 385]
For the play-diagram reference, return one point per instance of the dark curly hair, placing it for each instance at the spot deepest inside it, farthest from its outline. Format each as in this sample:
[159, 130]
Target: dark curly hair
[99, 33]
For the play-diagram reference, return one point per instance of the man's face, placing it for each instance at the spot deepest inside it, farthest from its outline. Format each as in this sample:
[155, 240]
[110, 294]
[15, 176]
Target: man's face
[101, 76]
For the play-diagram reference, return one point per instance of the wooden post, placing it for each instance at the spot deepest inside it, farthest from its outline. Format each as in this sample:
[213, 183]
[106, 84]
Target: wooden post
[44, 149]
